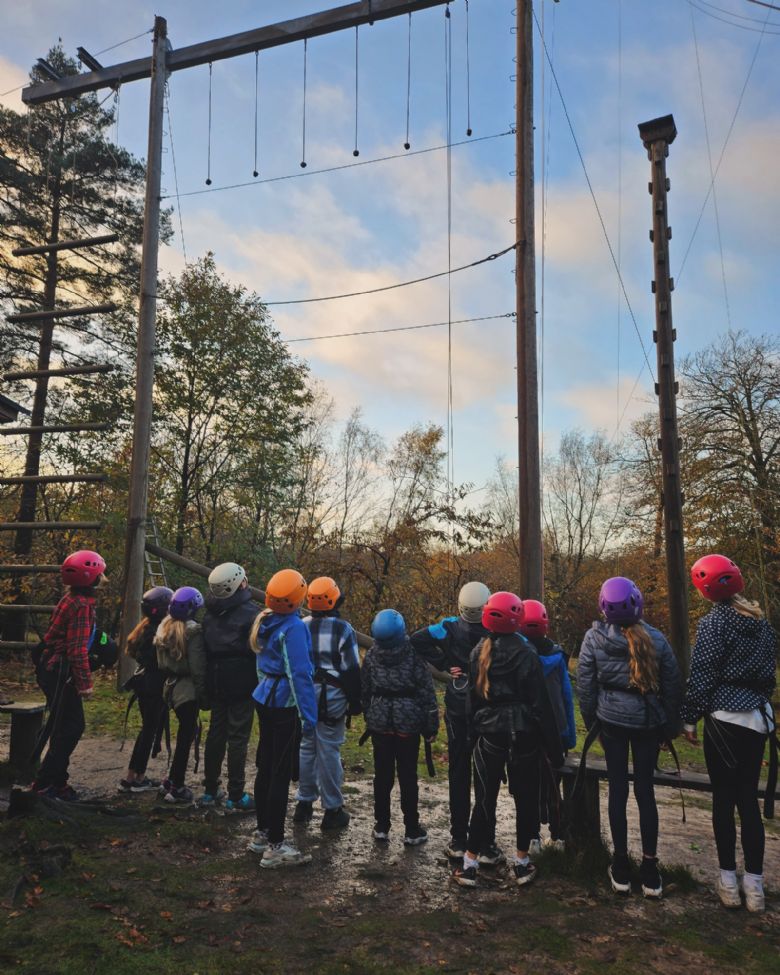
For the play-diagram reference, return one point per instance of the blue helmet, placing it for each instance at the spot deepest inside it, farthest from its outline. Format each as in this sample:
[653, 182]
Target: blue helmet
[185, 603]
[388, 628]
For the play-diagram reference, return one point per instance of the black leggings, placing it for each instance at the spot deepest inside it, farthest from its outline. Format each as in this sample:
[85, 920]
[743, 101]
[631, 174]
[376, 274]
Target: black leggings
[492, 755]
[274, 760]
[152, 708]
[187, 714]
[395, 753]
[734, 755]
[644, 750]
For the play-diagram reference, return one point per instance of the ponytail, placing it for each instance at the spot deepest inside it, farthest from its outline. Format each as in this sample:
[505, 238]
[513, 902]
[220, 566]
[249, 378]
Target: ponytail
[254, 633]
[172, 635]
[135, 638]
[643, 660]
[483, 664]
[745, 607]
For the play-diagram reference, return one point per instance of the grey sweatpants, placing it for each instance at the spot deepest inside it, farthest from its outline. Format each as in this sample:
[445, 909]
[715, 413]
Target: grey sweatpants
[229, 729]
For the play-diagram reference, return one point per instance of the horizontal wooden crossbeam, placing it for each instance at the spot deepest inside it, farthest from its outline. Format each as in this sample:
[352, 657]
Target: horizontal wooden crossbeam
[260, 39]
[53, 428]
[52, 478]
[64, 245]
[75, 312]
[68, 371]
[16, 645]
[55, 526]
[24, 570]
[26, 608]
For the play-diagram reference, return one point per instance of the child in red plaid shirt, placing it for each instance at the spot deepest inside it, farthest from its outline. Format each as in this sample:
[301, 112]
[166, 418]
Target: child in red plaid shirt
[63, 671]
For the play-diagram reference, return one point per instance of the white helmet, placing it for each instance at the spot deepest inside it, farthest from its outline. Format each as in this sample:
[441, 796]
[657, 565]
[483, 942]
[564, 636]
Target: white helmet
[471, 598]
[225, 579]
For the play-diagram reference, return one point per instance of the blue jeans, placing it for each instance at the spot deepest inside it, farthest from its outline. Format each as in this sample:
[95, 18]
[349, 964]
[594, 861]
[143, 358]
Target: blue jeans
[321, 772]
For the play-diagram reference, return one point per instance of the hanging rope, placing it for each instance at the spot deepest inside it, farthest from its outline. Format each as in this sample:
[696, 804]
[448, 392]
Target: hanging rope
[468, 74]
[175, 171]
[255, 171]
[305, 65]
[407, 144]
[208, 153]
[620, 203]
[448, 106]
[356, 151]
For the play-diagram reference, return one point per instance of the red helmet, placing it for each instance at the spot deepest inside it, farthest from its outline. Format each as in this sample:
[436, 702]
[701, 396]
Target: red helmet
[82, 568]
[536, 622]
[502, 613]
[717, 577]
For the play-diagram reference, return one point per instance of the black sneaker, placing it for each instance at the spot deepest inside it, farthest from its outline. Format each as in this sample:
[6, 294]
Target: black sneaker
[465, 876]
[524, 873]
[415, 836]
[304, 812]
[650, 878]
[491, 856]
[456, 850]
[620, 874]
[335, 818]
[381, 833]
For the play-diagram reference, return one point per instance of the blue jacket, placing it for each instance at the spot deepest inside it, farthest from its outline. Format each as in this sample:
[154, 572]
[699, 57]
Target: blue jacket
[555, 664]
[284, 666]
[603, 682]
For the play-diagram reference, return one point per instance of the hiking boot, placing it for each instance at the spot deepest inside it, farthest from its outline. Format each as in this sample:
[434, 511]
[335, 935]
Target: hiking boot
[381, 833]
[650, 878]
[335, 818]
[524, 873]
[465, 876]
[211, 798]
[728, 893]
[259, 841]
[178, 793]
[456, 850]
[144, 785]
[66, 793]
[535, 847]
[491, 856]
[754, 897]
[245, 804]
[304, 811]
[283, 855]
[620, 874]
[415, 836]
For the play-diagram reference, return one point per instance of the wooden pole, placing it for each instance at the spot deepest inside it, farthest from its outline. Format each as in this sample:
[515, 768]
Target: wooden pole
[144, 383]
[656, 136]
[530, 523]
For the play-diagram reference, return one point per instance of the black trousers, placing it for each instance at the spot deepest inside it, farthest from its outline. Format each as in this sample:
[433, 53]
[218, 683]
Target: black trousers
[275, 755]
[550, 800]
[152, 708]
[459, 751]
[644, 745]
[395, 754]
[493, 755]
[734, 755]
[230, 726]
[187, 715]
[67, 712]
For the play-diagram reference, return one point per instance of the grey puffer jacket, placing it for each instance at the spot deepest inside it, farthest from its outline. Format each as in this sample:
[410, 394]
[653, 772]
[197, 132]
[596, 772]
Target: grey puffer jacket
[603, 683]
[397, 692]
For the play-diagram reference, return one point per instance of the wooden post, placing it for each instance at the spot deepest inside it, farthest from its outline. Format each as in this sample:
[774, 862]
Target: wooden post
[656, 136]
[530, 523]
[144, 383]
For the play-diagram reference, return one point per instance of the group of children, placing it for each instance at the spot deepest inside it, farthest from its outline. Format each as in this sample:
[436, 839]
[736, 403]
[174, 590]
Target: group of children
[508, 710]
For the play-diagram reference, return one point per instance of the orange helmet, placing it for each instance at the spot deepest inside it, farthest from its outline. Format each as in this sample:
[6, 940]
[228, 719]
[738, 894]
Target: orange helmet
[323, 594]
[285, 592]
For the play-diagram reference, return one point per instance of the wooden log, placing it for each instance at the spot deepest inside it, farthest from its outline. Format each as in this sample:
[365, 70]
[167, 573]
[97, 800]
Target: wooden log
[26, 724]
[64, 245]
[53, 428]
[52, 478]
[26, 608]
[12, 526]
[23, 570]
[77, 311]
[68, 371]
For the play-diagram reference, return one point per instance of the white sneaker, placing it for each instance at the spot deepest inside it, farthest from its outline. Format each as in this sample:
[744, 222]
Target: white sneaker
[259, 841]
[728, 893]
[535, 847]
[559, 845]
[283, 855]
[754, 898]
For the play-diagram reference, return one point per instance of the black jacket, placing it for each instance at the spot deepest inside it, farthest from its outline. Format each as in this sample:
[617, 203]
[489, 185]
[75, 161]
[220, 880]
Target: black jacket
[449, 644]
[517, 700]
[231, 663]
[397, 692]
[148, 680]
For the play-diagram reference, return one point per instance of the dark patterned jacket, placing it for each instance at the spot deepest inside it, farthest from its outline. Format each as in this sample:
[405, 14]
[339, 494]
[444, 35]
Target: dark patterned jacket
[397, 692]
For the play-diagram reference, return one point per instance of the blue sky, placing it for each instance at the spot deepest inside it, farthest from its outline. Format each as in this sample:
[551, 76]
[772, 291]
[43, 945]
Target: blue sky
[619, 62]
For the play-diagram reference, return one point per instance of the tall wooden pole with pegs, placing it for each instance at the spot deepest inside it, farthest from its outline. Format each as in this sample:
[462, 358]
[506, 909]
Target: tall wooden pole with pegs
[657, 135]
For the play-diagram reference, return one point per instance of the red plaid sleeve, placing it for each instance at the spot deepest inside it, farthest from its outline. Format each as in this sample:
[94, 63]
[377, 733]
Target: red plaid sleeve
[68, 635]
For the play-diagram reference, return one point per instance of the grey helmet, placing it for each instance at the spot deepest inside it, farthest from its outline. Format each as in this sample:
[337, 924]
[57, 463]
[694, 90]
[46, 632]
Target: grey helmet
[471, 598]
[225, 579]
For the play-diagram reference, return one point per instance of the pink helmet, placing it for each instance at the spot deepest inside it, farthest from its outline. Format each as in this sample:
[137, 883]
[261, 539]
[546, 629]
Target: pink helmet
[717, 577]
[82, 568]
[535, 619]
[502, 613]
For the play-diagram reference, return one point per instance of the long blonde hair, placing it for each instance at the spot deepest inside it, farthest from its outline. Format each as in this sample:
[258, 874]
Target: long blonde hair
[135, 637]
[172, 635]
[484, 660]
[642, 658]
[254, 633]
[745, 607]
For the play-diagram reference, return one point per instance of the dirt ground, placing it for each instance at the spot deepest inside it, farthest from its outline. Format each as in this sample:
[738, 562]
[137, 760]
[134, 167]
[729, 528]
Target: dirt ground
[159, 889]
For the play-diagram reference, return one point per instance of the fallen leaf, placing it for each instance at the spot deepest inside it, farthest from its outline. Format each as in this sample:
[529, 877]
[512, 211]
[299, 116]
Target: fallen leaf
[166, 915]
[179, 939]
[88, 876]
[99, 906]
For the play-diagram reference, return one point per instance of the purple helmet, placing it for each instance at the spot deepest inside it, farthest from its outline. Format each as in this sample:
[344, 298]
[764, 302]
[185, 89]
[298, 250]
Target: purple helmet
[185, 603]
[621, 602]
[154, 602]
